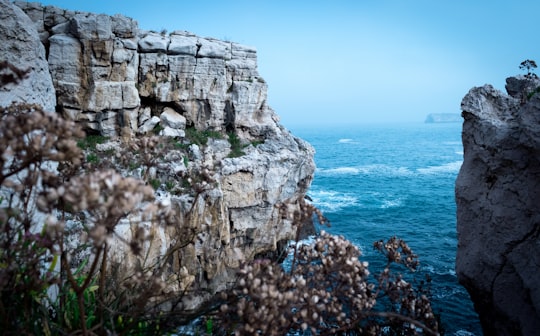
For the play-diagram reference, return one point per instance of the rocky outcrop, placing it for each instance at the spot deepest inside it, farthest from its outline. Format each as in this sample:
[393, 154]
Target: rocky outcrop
[106, 71]
[498, 216]
[21, 47]
[115, 79]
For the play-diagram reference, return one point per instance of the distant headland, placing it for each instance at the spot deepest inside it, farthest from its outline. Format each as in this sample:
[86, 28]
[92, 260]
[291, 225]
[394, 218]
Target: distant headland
[443, 118]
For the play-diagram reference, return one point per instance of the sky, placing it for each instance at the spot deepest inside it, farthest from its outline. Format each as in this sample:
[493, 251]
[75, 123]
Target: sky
[357, 61]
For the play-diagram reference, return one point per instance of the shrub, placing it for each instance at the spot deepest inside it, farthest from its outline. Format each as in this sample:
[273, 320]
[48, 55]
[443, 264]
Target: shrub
[90, 142]
[236, 145]
[201, 137]
[328, 290]
[529, 66]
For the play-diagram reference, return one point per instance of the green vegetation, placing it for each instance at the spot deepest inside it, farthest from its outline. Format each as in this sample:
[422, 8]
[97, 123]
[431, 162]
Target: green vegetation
[201, 137]
[255, 143]
[529, 66]
[155, 183]
[90, 141]
[158, 128]
[92, 158]
[236, 145]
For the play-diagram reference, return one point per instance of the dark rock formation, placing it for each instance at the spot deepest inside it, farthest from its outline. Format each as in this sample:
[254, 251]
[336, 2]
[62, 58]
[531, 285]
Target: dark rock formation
[498, 214]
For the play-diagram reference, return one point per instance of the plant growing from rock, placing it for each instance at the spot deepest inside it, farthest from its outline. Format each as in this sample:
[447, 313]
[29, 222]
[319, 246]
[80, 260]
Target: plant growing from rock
[529, 66]
[236, 145]
[328, 290]
[531, 86]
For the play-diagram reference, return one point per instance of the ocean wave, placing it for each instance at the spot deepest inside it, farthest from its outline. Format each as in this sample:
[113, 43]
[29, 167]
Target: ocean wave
[438, 271]
[346, 140]
[332, 201]
[374, 169]
[391, 203]
[464, 333]
[338, 171]
[451, 167]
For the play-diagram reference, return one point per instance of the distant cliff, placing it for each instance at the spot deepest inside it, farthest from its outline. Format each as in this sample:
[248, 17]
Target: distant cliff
[498, 214]
[117, 80]
[443, 118]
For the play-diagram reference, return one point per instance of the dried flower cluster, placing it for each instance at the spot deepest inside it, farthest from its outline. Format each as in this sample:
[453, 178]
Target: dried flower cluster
[326, 280]
[397, 251]
[328, 291]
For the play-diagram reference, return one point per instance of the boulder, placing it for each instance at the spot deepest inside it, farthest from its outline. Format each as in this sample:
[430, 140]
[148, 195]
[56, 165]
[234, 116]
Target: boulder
[498, 217]
[183, 45]
[153, 43]
[20, 45]
[171, 118]
[172, 132]
[93, 27]
[148, 125]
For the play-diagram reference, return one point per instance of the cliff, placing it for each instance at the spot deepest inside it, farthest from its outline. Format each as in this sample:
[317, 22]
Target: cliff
[117, 80]
[498, 217]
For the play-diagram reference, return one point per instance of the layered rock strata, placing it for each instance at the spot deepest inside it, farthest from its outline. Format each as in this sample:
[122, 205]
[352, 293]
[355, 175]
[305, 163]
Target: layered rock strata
[498, 215]
[115, 79]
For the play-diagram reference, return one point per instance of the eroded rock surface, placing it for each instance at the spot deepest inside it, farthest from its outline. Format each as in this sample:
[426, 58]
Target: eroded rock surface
[498, 214]
[21, 47]
[116, 80]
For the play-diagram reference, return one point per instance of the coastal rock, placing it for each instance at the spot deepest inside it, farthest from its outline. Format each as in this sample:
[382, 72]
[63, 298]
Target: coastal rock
[153, 43]
[498, 217]
[21, 47]
[521, 86]
[114, 79]
[172, 119]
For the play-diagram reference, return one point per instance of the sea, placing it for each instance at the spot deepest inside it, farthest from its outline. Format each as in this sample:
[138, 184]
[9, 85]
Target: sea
[373, 182]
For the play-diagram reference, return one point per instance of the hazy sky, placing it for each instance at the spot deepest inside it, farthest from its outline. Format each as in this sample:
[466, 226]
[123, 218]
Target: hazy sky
[357, 61]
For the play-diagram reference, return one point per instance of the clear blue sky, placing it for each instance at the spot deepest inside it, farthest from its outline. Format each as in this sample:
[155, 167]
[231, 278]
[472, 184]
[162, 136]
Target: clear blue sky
[357, 61]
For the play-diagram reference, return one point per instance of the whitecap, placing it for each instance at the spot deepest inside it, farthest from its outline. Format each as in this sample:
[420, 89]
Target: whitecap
[347, 140]
[384, 170]
[451, 167]
[391, 203]
[332, 201]
[464, 333]
[338, 171]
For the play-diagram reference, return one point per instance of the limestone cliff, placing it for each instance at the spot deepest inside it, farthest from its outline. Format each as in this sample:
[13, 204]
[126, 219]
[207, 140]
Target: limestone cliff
[115, 79]
[498, 215]
[21, 47]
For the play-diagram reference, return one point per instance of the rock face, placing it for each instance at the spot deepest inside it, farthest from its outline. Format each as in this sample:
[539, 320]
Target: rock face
[22, 48]
[498, 215]
[106, 71]
[115, 79]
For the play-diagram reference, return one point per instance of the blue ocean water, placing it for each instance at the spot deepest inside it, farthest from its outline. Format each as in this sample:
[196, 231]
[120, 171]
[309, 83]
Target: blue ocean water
[376, 181]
